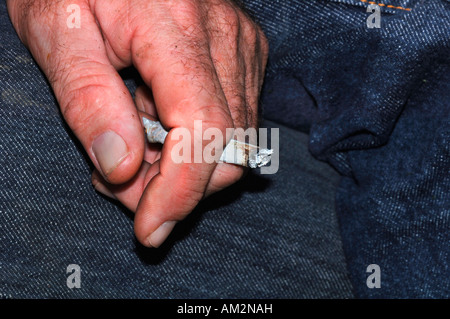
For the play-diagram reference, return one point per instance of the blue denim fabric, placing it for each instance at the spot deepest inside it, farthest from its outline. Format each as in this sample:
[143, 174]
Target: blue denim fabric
[269, 236]
[376, 103]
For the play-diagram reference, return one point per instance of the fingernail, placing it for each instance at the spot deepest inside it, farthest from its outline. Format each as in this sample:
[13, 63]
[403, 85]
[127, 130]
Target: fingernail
[110, 150]
[101, 188]
[139, 103]
[161, 234]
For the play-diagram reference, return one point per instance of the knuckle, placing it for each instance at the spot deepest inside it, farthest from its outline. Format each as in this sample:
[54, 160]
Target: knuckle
[186, 16]
[81, 100]
[229, 19]
[78, 84]
[75, 108]
[250, 31]
[224, 24]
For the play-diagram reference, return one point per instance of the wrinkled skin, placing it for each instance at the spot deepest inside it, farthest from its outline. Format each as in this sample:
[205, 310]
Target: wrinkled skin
[200, 60]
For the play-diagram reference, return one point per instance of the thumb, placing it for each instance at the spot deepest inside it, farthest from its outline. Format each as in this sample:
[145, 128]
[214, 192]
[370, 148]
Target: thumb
[101, 113]
[94, 101]
[99, 109]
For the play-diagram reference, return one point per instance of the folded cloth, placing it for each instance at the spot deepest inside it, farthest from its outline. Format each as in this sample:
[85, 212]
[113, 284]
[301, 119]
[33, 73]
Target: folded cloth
[376, 103]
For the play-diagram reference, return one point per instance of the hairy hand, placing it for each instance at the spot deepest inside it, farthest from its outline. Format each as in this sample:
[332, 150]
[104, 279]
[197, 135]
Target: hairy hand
[200, 59]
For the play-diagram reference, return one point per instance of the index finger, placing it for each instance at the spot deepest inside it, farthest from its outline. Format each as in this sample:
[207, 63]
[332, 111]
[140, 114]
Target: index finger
[177, 66]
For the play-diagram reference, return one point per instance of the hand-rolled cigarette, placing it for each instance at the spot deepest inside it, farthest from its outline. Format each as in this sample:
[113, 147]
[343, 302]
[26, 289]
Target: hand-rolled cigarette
[235, 152]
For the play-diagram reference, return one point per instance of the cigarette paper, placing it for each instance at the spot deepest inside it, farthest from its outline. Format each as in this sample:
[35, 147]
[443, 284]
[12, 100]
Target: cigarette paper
[235, 152]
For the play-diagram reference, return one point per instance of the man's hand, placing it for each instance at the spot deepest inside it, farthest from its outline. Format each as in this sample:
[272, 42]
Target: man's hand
[200, 59]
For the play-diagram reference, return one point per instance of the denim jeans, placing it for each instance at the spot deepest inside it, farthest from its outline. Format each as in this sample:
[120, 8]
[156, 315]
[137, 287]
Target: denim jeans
[269, 236]
[371, 102]
[376, 105]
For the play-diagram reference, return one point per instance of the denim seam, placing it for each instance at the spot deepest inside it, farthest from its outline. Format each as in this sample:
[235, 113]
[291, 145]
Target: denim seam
[386, 5]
